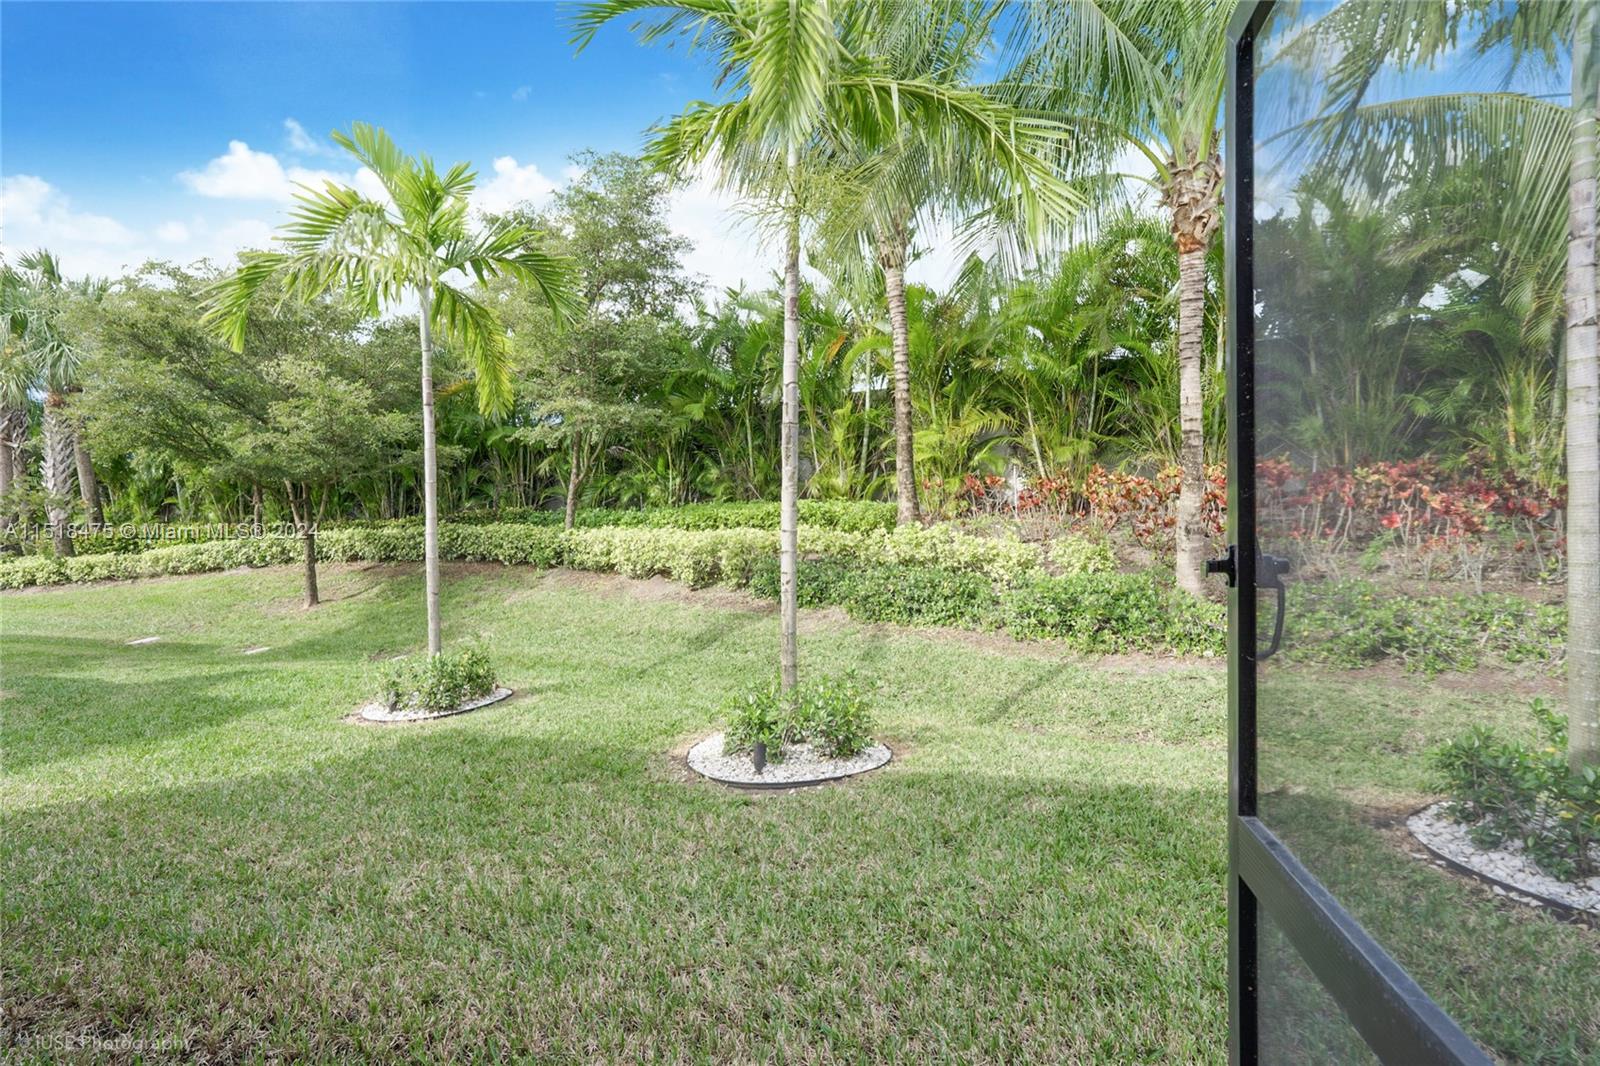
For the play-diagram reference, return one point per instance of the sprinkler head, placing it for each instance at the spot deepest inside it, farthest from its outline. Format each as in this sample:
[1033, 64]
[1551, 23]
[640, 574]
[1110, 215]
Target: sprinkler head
[758, 756]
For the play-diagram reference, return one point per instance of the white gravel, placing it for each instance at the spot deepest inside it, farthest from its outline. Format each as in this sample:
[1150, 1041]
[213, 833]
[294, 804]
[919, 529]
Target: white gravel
[378, 712]
[1507, 866]
[802, 764]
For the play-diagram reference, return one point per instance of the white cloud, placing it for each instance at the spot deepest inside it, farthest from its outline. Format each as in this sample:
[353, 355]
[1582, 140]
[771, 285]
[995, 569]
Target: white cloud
[242, 173]
[511, 185]
[34, 212]
[172, 232]
[521, 93]
[728, 247]
[302, 143]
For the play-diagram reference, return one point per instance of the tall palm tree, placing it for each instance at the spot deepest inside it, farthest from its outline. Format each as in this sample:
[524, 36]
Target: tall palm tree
[1583, 401]
[1148, 79]
[808, 90]
[910, 182]
[52, 353]
[387, 253]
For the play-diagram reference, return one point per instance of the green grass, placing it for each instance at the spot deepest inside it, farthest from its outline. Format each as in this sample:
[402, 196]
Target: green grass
[197, 848]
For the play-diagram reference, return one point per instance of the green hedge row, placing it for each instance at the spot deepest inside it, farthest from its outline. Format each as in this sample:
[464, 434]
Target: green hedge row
[916, 575]
[1097, 612]
[694, 556]
[856, 516]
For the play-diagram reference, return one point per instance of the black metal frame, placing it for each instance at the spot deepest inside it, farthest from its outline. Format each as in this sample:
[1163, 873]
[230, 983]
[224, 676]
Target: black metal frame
[1390, 1011]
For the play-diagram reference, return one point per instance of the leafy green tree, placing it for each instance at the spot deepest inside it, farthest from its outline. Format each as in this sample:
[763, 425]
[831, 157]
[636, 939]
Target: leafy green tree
[593, 383]
[307, 402]
[409, 247]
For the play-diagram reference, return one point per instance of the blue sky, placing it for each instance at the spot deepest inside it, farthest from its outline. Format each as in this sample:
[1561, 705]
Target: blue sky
[176, 130]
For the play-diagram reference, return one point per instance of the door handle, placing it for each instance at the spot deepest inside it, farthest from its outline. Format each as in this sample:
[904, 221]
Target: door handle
[1270, 570]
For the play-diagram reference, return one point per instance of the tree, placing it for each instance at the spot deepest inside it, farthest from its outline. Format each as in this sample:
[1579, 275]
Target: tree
[53, 339]
[1583, 401]
[910, 182]
[16, 376]
[1149, 78]
[306, 403]
[592, 383]
[809, 91]
[407, 247]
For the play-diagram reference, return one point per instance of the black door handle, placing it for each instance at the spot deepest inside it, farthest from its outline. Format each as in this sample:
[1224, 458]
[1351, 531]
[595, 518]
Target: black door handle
[1269, 575]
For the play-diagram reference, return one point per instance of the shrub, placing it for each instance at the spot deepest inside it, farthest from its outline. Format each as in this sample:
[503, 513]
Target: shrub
[1505, 790]
[833, 714]
[757, 717]
[1073, 554]
[1002, 559]
[1354, 623]
[1113, 612]
[32, 570]
[436, 682]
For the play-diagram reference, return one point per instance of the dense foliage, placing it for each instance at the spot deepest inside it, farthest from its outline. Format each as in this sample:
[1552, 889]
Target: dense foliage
[1511, 791]
[435, 683]
[833, 714]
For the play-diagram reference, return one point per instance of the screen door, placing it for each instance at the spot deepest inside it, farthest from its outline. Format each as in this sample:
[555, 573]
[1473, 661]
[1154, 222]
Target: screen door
[1396, 476]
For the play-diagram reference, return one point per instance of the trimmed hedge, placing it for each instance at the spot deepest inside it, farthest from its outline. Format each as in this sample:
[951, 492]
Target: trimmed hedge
[850, 515]
[915, 575]
[1090, 612]
[855, 516]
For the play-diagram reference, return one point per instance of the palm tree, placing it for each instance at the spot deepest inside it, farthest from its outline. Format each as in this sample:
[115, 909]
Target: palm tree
[52, 354]
[388, 253]
[16, 376]
[809, 91]
[1149, 79]
[909, 182]
[1583, 401]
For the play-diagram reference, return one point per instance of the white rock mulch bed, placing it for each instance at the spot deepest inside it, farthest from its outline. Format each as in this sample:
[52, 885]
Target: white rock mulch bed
[378, 712]
[802, 765]
[1512, 872]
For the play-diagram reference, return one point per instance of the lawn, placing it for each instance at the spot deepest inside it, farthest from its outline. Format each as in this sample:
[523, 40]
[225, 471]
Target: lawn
[199, 849]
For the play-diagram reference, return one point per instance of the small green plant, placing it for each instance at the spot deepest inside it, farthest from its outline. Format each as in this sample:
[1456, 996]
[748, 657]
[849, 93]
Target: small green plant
[1507, 790]
[757, 717]
[834, 715]
[436, 683]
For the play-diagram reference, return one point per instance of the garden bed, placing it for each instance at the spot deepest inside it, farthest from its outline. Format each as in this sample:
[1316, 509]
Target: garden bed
[802, 765]
[1507, 868]
[381, 712]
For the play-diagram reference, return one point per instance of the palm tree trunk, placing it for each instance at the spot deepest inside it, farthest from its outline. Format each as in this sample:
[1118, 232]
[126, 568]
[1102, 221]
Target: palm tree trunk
[572, 485]
[1191, 536]
[55, 471]
[789, 452]
[88, 484]
[892, 258]
[1583, 404]
[430, 475]
[8, 465]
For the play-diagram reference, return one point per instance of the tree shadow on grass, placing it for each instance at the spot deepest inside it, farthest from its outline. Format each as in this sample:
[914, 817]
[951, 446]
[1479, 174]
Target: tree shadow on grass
[457, 888]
